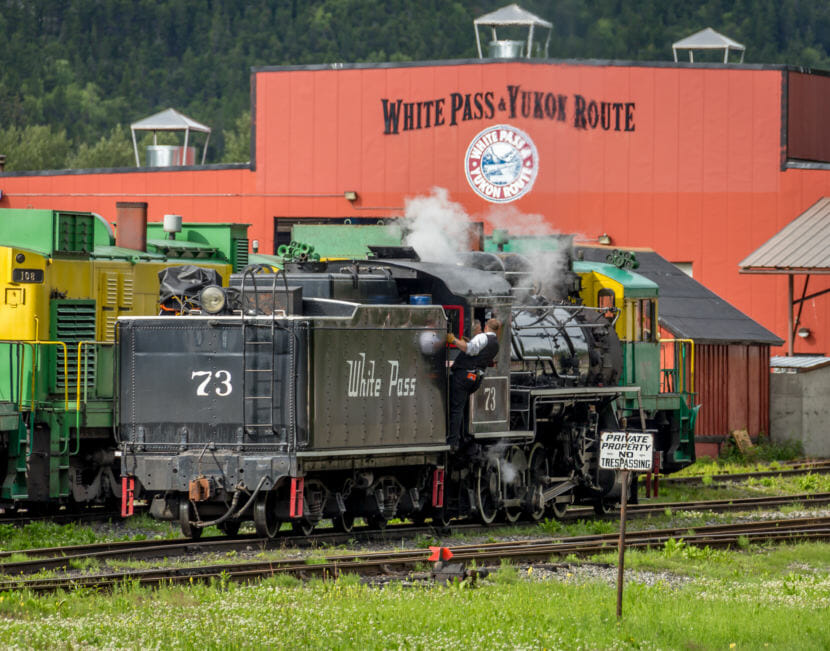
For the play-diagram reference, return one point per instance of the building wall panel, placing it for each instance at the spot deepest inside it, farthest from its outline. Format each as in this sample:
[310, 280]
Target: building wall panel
[698, 179]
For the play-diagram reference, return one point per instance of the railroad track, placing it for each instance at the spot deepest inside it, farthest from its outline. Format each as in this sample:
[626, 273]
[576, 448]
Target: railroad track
[405, 562]
[65, 558]
[740, 504]
[798, 467]
[804, 468]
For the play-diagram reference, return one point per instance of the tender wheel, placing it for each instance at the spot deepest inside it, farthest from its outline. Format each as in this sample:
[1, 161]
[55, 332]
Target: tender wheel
[186, 515]
[229, 527]
[604, 507]
[376, 522]
[302, 527]
[343, 522]
[265, 515]
[487, 491]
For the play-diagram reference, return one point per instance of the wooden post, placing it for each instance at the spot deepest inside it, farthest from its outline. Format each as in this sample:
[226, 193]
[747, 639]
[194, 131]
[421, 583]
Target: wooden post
[621, 550]
[790, 325]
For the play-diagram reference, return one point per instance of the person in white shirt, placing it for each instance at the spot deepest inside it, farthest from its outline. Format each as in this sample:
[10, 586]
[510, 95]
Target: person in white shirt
[468, 372]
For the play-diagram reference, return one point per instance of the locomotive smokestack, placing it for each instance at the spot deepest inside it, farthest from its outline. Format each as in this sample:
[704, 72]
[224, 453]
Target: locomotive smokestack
[132, 225]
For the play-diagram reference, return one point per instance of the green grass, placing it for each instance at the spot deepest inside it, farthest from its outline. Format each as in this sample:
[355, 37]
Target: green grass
[777, 597]
[759, 562]
[49, 534]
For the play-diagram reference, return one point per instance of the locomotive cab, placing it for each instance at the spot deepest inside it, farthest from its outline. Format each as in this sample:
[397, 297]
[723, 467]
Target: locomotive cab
[661, 367]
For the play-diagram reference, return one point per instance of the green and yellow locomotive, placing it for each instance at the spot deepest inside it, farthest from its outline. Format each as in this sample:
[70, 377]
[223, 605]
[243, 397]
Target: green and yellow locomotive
[65, 282]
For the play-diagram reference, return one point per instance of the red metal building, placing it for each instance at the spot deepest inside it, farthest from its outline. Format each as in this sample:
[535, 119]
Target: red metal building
[702, 163]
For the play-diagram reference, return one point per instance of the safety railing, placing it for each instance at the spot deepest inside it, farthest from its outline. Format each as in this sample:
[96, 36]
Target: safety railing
[677, 366]
[32, 360]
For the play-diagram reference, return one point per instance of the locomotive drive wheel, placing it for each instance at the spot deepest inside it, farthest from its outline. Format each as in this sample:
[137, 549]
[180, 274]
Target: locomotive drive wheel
[604, 507]
[535, 511]
[266, 522]
[515, 459]
[537, 471]
[559, 509]
[186, 514]
[487, 490]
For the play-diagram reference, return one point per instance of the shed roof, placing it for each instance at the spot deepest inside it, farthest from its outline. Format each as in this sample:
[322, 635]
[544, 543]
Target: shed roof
[690, 310]
[707, 39]
[802, 246]
[799, 363]
[169, 120]
[511, 15]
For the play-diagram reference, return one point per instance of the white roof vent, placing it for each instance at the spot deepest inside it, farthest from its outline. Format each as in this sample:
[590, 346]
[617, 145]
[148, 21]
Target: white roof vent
[511, 16]
[169, 155]
[708, 39]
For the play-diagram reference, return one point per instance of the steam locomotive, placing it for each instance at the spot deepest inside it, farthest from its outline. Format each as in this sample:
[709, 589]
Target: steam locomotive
[321, 392]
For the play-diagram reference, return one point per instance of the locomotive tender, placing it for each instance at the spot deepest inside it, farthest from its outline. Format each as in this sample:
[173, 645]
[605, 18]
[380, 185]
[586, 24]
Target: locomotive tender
[325, 396]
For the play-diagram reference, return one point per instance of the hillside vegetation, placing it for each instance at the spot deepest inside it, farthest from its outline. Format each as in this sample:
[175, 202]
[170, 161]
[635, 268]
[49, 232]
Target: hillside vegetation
[75, 73]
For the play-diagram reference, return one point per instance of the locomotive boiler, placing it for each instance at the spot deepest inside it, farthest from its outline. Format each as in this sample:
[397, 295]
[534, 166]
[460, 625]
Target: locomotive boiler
[322, 392]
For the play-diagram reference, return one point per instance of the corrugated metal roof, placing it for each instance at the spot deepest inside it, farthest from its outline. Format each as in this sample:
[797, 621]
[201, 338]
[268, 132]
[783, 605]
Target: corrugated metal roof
[803, 244]
[799, 362]
[169, 120]
[688, 309]
[511, 15]
[707, 39]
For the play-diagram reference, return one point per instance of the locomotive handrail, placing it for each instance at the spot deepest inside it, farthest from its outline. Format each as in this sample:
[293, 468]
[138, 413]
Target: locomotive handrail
[19, 367]
[548, 312]
[81, 344]
[34, 344]
[691, 343]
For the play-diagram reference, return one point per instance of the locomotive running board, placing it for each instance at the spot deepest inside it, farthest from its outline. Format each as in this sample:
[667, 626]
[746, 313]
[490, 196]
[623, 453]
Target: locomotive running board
[510, 434]
[372, 451]
[583, 392]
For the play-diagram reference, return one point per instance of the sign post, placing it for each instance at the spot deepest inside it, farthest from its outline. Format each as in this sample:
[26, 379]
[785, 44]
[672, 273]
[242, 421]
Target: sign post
[626, 452]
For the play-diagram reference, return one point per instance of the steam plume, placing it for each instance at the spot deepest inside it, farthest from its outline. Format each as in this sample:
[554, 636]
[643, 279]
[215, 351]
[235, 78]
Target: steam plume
[437, 227]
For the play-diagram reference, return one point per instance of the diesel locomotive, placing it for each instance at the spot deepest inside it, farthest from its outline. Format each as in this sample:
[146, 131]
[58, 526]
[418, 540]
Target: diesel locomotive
[66, 278]
[321, 392]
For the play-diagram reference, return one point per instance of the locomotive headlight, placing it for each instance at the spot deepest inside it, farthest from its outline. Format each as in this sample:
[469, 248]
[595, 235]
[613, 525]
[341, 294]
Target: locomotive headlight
[212, 299]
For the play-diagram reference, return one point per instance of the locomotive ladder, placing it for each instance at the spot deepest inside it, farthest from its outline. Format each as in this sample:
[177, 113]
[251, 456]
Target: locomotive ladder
[258, 378]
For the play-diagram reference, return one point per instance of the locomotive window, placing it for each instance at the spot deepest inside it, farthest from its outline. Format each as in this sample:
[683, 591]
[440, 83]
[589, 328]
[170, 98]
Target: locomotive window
[606, 300]
[645, 320]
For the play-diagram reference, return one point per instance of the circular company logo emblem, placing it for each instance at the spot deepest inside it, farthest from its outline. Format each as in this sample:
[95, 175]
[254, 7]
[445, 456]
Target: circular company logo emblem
[501, 163]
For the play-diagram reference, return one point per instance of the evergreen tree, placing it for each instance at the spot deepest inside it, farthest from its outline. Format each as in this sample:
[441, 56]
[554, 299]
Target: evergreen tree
[80, 68]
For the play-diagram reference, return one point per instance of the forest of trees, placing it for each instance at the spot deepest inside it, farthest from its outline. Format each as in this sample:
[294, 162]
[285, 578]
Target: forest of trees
[75, 73]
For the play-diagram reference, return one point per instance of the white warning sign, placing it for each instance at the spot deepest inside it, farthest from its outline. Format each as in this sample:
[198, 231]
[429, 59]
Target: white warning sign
[626, 451]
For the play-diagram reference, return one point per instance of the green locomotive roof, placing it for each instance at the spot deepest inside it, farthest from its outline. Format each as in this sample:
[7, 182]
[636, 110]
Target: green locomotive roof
[635, 285]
